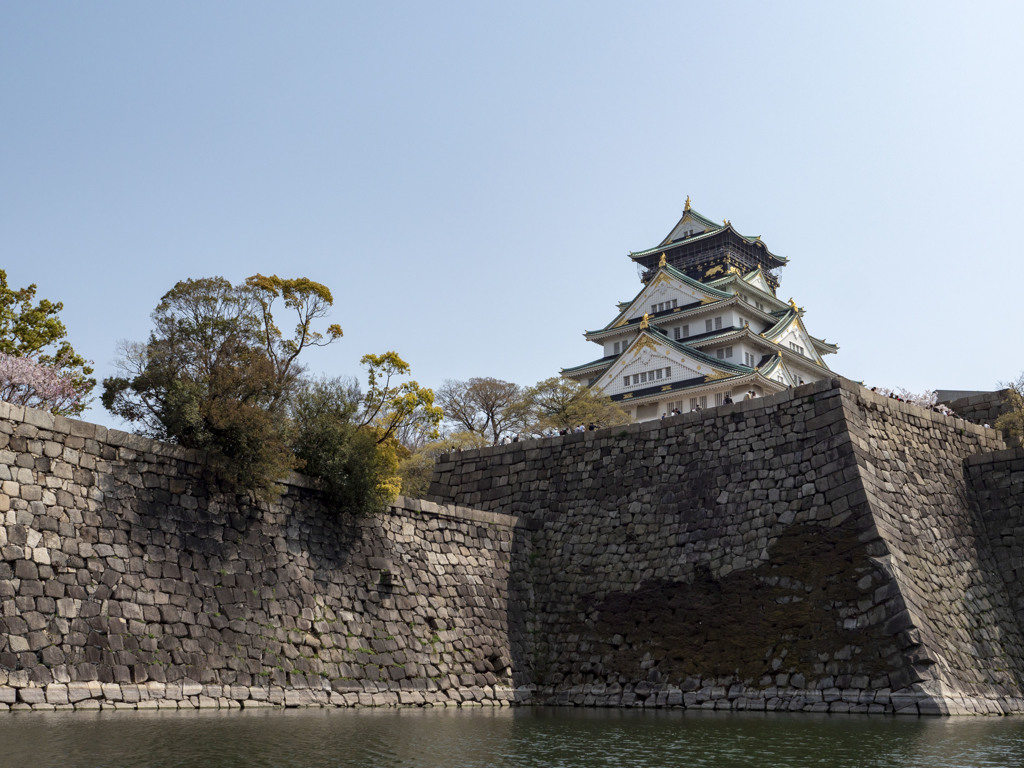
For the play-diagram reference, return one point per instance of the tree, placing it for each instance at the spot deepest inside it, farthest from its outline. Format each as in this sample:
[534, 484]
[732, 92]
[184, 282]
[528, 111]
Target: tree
[1011, 422]
[309, 301]
[217, 372]
[347, 463]
[390, 407]
[56, 378]
[26, 381]
[559, 403]
[487, 406]
[347, 439]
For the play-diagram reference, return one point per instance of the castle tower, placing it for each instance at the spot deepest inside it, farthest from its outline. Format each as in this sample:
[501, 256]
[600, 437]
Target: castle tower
[706, 327]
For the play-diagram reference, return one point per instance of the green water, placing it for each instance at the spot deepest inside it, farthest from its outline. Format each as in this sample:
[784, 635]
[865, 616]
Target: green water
[520, 737]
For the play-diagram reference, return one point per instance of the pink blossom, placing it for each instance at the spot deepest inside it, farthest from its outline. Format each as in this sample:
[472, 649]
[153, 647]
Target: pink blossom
[26, 381]
[927, 400]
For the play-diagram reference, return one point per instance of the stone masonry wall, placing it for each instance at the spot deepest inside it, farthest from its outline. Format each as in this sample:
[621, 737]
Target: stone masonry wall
[811, 551]
[981, 407]
[966, 637]
[825, 549]
[996, 490]
[126, 581]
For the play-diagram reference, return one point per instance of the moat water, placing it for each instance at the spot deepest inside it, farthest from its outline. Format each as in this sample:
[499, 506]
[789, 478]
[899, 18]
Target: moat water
[520, 738]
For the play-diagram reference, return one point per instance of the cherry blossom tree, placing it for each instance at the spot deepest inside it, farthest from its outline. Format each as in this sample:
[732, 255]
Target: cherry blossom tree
[927, 399]
[50, 373]
[26, 381]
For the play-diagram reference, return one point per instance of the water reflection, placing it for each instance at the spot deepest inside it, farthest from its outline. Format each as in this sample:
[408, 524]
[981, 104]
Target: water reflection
[523, 738]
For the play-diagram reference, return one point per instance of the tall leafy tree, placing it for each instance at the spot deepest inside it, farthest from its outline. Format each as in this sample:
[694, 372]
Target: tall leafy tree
[217, 372]
[347, 439]
[485, 405]
[558, 403]
[39, 366]
[391, 406]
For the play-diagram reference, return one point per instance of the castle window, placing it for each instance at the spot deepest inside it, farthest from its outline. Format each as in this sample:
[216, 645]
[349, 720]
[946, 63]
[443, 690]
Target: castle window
[615, 348]
[636, 379]
[625, 381]
[675, 303]
[686, 331]
[796, 348]
[708, 326]
[643, 377]
[718, 323]
[657, 374]
[676, 331]
[718, 398]
[748, 359]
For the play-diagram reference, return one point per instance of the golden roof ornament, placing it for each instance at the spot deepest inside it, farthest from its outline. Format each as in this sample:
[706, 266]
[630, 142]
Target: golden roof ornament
[645, 322]
[662, 261]
[687, 206]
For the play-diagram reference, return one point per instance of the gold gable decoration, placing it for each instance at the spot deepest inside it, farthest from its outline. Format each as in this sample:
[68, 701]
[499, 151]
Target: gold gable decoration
[661, 278]
[717, 376]
[645, 322]
[662, 261]
[646, 342]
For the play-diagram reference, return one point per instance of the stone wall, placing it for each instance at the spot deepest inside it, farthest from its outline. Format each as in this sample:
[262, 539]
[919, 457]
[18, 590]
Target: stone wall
[976, 407]
[996, 487]
[127, 580]
[824, 549]
[811, 551]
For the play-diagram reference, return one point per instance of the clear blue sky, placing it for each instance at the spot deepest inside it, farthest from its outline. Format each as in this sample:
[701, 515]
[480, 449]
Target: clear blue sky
[468, 178]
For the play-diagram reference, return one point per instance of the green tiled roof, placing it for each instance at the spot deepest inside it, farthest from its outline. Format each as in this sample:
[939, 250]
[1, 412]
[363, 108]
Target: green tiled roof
[607, 360]
[785, 318]
[696, 353]
[696, 283]
[682, 277]
[713, 229]
[657, 248]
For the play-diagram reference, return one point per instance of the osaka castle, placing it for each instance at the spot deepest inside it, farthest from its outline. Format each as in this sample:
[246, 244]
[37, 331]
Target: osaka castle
[706, 328]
